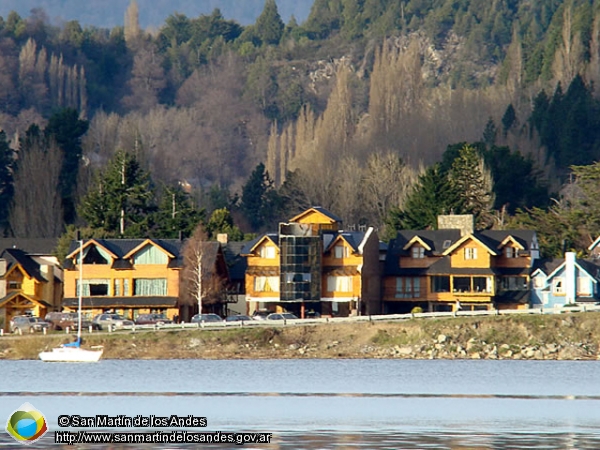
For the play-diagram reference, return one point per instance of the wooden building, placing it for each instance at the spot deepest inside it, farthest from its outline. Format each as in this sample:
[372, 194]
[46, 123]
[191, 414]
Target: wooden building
[311, 266]
[456, 267]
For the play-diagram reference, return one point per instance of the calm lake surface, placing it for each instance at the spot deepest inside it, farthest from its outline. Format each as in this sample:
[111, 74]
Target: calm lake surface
[323, 404]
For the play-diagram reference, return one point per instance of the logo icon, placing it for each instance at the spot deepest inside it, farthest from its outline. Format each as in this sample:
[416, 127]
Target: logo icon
[26, 424]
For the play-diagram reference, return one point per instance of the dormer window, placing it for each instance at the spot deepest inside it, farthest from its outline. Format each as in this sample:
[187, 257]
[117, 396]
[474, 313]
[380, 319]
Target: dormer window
[418, 252]
[267, 252]
[470, 253]
[511, 252]
[447, 243]
[340, 251]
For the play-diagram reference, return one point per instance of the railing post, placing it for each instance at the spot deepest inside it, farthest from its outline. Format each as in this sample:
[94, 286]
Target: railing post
[44, 331]
[67, 329]
[91, 328]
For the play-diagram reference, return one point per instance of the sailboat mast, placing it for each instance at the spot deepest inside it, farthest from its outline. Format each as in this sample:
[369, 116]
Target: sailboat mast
[80, 289]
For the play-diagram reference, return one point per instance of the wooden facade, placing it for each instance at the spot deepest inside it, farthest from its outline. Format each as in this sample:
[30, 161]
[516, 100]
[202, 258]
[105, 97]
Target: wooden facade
[447, 269]
[29, 284]
[312, 266]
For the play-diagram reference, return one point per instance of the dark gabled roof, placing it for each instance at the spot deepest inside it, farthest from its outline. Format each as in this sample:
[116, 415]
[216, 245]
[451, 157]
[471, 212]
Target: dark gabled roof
[111, 302]
[547, 265]
[590, 267]
[495, 237]
[121, 247]
[327, 213]
[354, 239]
[248, 246]
[36, 246]
[435, 239]
[15, 256]
[236, 263]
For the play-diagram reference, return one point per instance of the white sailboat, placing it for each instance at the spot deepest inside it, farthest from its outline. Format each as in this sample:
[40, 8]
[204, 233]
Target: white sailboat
[73, 352]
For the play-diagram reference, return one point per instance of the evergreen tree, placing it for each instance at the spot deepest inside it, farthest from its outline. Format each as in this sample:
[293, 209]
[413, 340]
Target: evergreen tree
[472, 182]
[120, 201]
[221, 222]
[269, 26]
[176, 214]
[7, 162]
[430, 197]
[66, 129]
[508, 119]
[259, 198]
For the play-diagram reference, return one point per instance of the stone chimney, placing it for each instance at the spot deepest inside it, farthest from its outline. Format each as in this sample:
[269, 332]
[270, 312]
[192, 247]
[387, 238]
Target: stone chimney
[222, 238]
[463, 222]
[570, 278]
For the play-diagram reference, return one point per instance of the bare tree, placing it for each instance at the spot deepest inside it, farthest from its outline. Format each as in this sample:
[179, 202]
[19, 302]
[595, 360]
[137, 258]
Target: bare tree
[37, 206]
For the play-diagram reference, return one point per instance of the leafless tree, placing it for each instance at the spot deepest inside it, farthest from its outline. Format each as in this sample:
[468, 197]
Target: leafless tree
[37, 206]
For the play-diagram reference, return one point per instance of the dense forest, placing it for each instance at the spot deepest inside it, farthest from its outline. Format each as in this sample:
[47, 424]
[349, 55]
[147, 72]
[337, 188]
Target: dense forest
[387, 113]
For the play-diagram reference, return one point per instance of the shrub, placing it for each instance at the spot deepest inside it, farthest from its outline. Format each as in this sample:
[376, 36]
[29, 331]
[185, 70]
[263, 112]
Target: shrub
[416, 310]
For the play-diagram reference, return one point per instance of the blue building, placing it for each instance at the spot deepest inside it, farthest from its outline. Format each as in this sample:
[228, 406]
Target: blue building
[564, 281]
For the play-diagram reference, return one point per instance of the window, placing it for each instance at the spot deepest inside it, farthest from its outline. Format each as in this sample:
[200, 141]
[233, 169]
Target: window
[267, 251]
[14, 285]
[418, 252]
[95, 255]
[538, 282]
[93, 288]
[408, 287]
[511, 252]
[292, 277]
[150, 255]
[340, 251]
[558, 287]
[470, 253]
[583, 286]
[514, 283]
[447, 243]
[482, 284]
[150, 287]
[462, 284]
[126, 289]
[339, 284]
[266, 284]
[440, 283]
[117, 288]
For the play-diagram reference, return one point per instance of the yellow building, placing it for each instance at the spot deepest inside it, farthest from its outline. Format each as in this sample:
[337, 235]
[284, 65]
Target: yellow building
[29, 284]
[455, 267]
[312, 266]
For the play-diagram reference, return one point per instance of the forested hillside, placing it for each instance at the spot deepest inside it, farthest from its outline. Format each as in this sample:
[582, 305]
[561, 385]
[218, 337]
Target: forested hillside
[385, 112]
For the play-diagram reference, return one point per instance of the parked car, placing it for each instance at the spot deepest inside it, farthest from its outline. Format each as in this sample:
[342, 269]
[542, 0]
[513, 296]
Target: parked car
[114, 320]
[238, 318]
[260, 315]
[152, 319]
[282, 316]
[206, 318]
[61, 320]
[28, 324]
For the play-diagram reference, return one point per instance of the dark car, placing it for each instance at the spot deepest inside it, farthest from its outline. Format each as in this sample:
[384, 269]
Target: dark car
[281, 316]
[28, 324]
[238, 318]
[63, 320]
[152, 319]
[206, 318]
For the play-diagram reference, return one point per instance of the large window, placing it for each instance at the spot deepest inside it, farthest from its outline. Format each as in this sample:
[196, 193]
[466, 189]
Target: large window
[93, 288]
[407, 287]
[147, 287]
[339, 284]
[584, 286]
[340, 251]
[482, 284]
[511, 252]
[462, 284]
[440, 283]
[150, 255]
[514, 283]
[266, 284]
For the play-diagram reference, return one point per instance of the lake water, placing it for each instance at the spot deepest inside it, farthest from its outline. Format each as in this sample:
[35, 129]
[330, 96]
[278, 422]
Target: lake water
[323, 404]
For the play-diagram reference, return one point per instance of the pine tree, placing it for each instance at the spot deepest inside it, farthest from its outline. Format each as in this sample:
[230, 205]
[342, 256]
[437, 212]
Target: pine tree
[120, 202]
[221, 222]
[472, 182]
[176, 214]
[269, 26]
[259, 198]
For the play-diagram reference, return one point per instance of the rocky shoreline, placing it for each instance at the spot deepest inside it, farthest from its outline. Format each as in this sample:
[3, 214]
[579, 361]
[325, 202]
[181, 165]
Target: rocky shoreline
[571, 336]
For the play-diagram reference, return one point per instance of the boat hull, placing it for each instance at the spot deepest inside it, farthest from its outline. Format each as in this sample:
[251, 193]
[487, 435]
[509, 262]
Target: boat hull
[71, 354]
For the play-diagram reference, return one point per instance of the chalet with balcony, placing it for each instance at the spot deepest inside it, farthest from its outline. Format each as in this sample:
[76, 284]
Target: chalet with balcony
[312, 266]
[137, 276]
[456, 267]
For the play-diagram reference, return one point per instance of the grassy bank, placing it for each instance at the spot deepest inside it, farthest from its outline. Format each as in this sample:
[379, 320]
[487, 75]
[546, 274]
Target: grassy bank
[565, 336]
